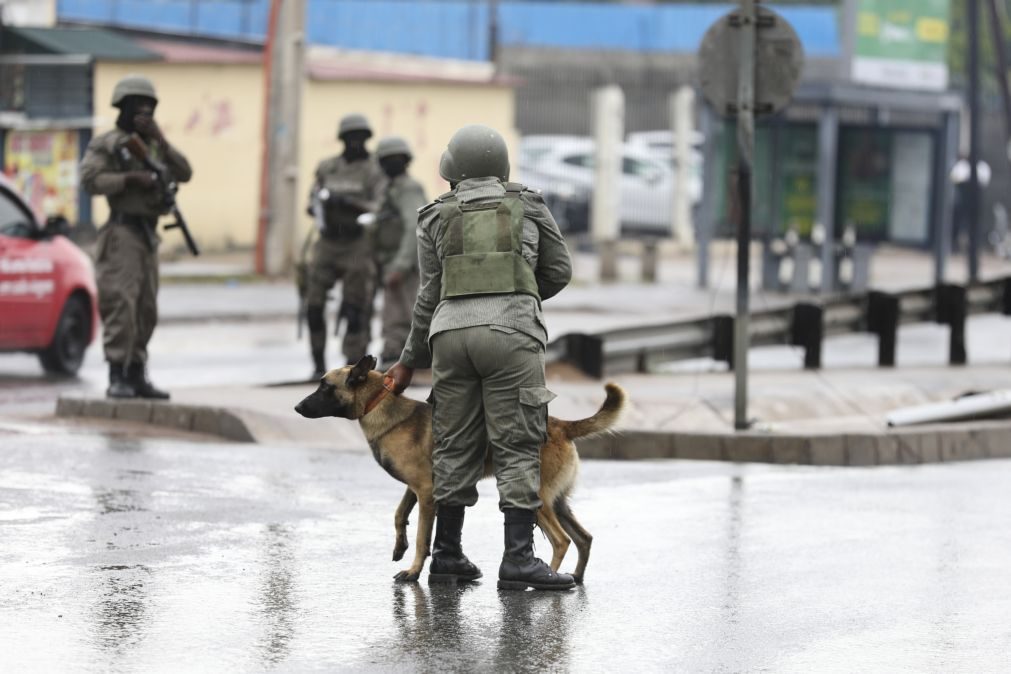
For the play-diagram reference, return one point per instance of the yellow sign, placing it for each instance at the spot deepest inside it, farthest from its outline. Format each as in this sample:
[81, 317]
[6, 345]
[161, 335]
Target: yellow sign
[43, 164]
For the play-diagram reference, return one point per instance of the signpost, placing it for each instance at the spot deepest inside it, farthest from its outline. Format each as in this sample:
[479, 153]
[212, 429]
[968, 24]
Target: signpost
[750, 62]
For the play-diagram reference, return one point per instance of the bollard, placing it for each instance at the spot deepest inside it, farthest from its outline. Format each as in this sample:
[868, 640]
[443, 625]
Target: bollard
[723, 339]
[807, 330]
[883, 321]
[951, 308]
[650, 259]
[608, 251]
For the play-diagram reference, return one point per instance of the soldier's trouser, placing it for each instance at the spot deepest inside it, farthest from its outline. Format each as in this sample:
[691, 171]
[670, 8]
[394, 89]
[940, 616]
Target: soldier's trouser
[126, 273]
[398, 309]
[489, 391]
[351, 263]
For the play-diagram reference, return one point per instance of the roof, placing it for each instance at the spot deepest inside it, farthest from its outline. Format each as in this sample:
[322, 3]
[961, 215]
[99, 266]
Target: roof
[176, 51]
[95, 42]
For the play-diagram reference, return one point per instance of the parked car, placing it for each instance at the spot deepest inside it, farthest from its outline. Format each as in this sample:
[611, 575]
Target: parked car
[562, 168]
[660, 146]
[48, 301]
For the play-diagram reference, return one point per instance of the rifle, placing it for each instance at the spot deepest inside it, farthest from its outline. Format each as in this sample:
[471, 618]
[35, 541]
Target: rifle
[302, 282]
[135, 147]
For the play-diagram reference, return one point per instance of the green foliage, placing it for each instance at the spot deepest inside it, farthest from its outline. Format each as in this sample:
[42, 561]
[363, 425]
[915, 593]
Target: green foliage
[958, 43]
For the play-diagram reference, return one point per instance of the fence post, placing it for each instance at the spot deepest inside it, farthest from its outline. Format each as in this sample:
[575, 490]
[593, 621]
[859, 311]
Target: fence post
[883, 321]
[950, 306]
[723, 339]
[586, 352]
[807, 330]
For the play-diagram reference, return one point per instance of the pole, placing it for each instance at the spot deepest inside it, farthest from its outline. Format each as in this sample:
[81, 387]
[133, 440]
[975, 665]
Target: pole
[266, 139]
[745, 144]
[972, 207]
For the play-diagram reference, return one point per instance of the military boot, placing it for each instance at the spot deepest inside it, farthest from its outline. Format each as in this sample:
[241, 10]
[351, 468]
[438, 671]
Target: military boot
[520, 569]
[318, 365]
[449, 564]
[119, 385]
[137, 374]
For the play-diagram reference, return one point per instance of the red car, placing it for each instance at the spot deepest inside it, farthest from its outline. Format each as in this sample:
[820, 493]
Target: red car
[48, 301]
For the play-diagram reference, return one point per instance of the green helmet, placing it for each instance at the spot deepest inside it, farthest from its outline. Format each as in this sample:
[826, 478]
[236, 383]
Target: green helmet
[475, 151]
[353, 122]
[392, 145]
[132, 85]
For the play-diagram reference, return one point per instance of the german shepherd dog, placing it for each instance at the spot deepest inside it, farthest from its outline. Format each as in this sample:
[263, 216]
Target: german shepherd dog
[399, 431]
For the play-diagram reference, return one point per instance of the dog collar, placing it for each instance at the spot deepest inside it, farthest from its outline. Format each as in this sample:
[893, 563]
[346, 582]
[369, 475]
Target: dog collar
[387, 390]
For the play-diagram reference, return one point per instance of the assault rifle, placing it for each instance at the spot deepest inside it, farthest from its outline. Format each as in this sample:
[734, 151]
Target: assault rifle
[135, 148]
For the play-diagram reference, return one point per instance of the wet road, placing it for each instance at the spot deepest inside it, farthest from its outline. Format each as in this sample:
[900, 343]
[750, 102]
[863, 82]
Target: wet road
[122, 554]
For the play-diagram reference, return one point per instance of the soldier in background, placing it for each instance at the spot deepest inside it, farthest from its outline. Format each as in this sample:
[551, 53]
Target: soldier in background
[346, 186]
[126, 257]
[396, 245]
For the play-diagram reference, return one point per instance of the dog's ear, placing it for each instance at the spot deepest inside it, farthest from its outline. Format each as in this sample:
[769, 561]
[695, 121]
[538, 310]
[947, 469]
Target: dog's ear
[360, 372]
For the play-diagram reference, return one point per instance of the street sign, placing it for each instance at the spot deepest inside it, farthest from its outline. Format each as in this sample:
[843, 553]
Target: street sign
[778, 57]
[749, 64]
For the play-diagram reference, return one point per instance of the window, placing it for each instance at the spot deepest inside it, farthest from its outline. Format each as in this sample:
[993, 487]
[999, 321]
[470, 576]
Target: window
[583, 160]
[13, 220]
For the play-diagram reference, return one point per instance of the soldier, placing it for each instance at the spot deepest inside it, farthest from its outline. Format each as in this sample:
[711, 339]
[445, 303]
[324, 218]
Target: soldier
[346, 186]
[489, 253]
[396, 244]
[126, 258]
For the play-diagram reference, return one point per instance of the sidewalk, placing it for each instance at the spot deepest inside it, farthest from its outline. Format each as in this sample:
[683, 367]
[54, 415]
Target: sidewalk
[833, 416]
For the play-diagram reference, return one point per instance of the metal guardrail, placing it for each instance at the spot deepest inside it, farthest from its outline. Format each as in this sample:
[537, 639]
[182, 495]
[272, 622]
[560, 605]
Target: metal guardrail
[805, 324]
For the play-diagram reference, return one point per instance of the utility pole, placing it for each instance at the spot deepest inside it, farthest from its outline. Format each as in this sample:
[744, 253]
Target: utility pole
[285, 64]
[972, 207]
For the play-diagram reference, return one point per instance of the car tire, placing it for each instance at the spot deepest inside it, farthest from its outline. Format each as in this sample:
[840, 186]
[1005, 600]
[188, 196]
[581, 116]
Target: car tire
[66, 353]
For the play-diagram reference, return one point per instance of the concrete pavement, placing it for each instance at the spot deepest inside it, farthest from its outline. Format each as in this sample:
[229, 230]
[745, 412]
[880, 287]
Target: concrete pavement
[130, 555]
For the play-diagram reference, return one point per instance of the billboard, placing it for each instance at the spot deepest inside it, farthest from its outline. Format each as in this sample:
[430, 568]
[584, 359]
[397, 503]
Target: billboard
[43, 164]
[901, 43]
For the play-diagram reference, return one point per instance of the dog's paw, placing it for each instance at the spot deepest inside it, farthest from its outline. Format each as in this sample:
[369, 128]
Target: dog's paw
[407, 576]
[398, 551]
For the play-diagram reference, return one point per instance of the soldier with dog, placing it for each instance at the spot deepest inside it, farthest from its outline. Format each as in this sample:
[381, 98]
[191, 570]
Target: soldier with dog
[489, 254]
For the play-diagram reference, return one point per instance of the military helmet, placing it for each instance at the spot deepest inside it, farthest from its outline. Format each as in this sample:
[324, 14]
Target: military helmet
[353, 122]
[133, 85]
[475, 151]
[392, 145]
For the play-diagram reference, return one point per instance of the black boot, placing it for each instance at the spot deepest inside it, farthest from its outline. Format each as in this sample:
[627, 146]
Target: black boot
[449, 564]
[137, 373]
[119, 385]
[318, 365]
[520, 569]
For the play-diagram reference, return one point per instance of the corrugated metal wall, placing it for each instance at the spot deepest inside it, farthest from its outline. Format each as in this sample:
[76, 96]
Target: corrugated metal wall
[452, 28]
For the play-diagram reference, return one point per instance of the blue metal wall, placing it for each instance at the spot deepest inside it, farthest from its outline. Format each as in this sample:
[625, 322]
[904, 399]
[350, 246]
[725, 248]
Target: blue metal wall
[452, 28]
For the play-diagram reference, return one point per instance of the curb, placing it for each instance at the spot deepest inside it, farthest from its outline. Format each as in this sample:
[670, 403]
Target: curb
[906, 446]
[211, 420]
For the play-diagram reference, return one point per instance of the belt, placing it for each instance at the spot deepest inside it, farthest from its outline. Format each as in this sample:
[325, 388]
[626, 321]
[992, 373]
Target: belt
[135, 220]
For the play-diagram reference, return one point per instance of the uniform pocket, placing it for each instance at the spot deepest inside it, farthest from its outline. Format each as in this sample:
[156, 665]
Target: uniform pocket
[529, 427]
[502, 328]
[535, 396]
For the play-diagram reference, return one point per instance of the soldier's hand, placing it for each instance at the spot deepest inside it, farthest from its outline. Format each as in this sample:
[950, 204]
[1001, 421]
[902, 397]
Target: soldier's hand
[143, 179]
[394, 279]
[401, 376]
[148, 128]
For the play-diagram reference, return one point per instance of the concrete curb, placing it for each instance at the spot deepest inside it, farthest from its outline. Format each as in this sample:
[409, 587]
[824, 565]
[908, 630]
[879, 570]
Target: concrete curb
[916, 445]
[922, 444]
[210, 420]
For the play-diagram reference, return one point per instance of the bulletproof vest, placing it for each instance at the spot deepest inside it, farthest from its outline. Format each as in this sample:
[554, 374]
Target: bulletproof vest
[345, 179]
[481, 247]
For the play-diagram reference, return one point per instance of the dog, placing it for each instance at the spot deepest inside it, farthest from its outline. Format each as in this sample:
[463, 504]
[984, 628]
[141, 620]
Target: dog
[399, 432]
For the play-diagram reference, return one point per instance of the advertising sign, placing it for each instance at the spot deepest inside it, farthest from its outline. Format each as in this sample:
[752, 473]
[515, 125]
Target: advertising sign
[43, 164]
[901, 43]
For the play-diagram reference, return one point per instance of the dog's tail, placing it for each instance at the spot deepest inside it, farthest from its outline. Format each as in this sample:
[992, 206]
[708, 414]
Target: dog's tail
[605, 418]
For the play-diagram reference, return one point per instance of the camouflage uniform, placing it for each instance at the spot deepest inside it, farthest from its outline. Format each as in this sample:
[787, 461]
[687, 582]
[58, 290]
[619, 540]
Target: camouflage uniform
[343, 253]
[126, 259]
[396, 250]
